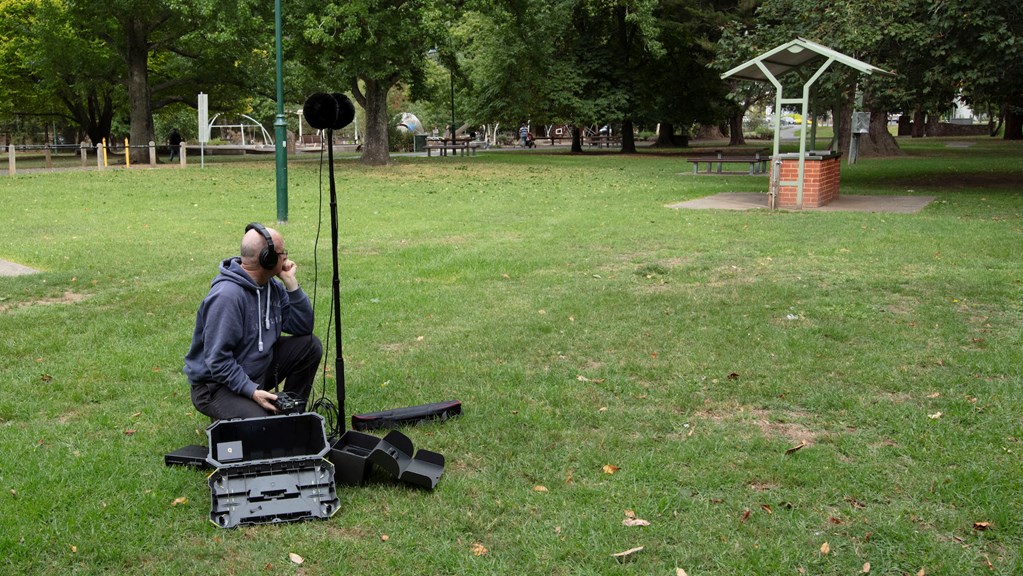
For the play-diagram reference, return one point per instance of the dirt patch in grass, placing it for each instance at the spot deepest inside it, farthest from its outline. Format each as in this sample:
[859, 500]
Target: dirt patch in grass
[786, 424]
[67, 298]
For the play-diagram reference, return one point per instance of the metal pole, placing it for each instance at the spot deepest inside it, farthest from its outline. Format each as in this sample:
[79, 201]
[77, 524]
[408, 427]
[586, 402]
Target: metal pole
[452, 106]
[280, 125]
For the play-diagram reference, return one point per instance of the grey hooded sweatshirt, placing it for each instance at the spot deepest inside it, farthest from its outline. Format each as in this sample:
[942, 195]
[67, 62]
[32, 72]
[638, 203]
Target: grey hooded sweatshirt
[237, 325]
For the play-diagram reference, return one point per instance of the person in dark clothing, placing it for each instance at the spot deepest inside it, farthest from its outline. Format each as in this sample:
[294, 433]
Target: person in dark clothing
[175, 144]
[238, 355]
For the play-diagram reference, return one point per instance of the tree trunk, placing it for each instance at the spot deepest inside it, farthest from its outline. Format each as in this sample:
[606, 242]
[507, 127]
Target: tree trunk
[666, 137]
[933, 128]
[919, 118]
[628, 137]
[141, 111]
[879, 141]
[905, 125]
[735, 135]
[1014, 120]
[374, 103]
[577, 139]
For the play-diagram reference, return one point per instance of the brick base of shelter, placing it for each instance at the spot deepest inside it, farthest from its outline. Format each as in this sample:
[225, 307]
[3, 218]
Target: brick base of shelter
[820, 180]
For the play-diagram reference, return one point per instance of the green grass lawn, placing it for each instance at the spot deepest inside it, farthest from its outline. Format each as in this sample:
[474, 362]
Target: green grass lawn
[761, 384]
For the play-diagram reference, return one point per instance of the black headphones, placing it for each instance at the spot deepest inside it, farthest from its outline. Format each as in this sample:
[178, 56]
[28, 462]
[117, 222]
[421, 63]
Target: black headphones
[268, 257]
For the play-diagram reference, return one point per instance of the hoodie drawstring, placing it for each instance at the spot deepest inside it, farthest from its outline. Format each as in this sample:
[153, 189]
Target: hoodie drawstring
[267, 314]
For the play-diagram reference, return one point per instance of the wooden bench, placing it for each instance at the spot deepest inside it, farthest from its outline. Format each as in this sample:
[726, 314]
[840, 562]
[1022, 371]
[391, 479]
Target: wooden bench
[606, 141]
[463, 146]
[757, 162]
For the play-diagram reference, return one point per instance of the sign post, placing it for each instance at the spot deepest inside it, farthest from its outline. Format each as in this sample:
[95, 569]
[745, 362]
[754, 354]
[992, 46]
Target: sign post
[204, 127]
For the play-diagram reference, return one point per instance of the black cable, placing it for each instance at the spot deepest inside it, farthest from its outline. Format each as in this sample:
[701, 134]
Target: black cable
[322, 405]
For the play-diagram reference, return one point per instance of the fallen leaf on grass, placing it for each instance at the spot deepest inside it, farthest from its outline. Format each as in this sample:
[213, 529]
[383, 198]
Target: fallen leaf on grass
[921, 573]
[622, 556]
[981, 526]
[767, 508]
[130, 432]
[539, 488]
[934, 416]
[582, 378]
[866, 568]
[384, 537]
[680, 572]
[610, 468]
[797, 447]
[179, 500]
[295, 558]
[825, 548]
[74, 549]
[479, 549]
[745, 517]
[635, 522]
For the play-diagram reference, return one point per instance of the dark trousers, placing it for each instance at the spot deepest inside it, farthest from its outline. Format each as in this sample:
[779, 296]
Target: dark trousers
[295, 362]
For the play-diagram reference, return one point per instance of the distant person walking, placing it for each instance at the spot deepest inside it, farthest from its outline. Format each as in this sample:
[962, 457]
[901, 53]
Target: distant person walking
[175, 144]
[524, 135]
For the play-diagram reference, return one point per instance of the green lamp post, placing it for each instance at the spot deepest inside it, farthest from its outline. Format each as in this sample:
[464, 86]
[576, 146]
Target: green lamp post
[280, 125]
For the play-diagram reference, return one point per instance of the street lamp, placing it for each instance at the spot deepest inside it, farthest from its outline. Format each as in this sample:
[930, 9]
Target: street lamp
[280, 125]
[434, 55]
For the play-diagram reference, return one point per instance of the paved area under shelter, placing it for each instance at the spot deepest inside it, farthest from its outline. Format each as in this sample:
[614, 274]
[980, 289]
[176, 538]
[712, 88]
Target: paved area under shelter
[848, 203]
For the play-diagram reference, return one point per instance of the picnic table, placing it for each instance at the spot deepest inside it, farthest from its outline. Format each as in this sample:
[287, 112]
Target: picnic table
[603, 140]
[757, 161]
[454, 145]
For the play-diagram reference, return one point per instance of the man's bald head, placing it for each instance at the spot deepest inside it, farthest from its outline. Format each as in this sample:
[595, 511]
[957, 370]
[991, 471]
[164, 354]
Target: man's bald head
[253, 242]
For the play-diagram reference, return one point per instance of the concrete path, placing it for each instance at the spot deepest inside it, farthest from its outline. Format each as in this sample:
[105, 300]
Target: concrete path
[12, 269]
[846, 203]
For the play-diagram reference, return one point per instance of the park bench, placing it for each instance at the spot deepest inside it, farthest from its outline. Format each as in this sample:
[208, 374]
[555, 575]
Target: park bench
[603, 140]
[443, 146]
[757, 162]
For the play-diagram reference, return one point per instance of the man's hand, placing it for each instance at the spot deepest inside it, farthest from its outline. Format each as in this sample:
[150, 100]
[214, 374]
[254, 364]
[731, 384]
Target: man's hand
[265, 400]
[287, 275]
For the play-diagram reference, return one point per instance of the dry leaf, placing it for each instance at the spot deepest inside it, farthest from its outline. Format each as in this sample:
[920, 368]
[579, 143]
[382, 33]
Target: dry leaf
[602, 409]
[921, 573]
[934, 395]
[934, 416]
[74, 549]
[384, 537]
[733, 375]
[745, 517]
[767, 508]
[539, 488]
[825, 548]
[981, 525]
[610, 468]
[179, 500]
[130, 432]
[136, 415]
[295, 558]
[800, 446]
[680, 572]
[479, 549]
[568, 478]
[621, 556]
[635, 522]
[866, 568]
[630, 513]
[14, 492]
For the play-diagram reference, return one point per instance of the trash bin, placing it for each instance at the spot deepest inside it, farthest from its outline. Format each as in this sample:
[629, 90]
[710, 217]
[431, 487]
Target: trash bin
[419, 143]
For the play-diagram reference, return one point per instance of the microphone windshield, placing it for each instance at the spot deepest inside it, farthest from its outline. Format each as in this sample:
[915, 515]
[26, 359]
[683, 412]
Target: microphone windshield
[320, 111]
[345, 111]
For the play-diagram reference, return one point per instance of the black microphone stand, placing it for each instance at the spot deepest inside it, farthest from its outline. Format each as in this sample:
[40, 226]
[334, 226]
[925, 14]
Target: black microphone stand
[339, 361]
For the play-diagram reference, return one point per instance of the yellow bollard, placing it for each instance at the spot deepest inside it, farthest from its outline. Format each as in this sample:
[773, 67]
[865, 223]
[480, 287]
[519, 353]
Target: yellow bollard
[105, 164]
[127, 154]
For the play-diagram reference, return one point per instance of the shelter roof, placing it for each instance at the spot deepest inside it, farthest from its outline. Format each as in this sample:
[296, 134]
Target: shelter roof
[791, 56]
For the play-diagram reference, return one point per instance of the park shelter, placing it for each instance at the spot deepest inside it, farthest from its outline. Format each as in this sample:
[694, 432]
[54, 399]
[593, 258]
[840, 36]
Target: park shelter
[799, 56]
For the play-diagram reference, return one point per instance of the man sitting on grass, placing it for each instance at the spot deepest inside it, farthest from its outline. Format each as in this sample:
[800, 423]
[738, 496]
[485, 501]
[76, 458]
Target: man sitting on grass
[238, 354]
